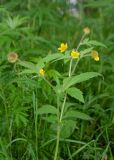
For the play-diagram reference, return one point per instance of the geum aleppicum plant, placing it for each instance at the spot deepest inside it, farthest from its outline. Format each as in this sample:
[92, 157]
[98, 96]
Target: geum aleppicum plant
[63, 116]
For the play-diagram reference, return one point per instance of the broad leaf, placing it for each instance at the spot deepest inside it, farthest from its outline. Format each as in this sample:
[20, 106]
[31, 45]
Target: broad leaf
[52, 57]
[67, 82]
[50, 118]
[47, 109]
[76, 114]
[75, 93]
[68, 127]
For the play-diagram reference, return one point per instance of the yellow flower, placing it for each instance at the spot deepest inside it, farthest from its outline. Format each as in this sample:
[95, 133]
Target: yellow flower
[12, 57]
[95, 55]
[63, 47]
[86, 30]
[41, 72]
[74, 54]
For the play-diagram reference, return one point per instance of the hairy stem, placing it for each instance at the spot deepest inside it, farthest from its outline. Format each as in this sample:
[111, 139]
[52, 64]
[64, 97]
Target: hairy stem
[60, 117]
[83, 36]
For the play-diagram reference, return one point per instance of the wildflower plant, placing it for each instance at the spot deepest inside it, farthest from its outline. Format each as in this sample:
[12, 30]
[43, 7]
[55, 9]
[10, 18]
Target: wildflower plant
[60, 115]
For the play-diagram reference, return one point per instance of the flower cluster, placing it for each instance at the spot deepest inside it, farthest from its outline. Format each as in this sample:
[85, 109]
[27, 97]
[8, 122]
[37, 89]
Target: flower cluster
[63, 47]
[74, 53]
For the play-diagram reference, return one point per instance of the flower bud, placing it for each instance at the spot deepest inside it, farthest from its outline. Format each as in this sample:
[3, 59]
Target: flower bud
[86, 30]
[12, 57]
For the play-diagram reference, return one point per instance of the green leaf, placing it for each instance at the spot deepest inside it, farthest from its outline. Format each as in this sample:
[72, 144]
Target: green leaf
[92, 42]
[52, 57]
[27, 71]
[26, 64]
[68, 127]
[76, 114]
[40, 64]
[86, 51]
[53, 73]
[75, 93]
[50, 118]
[47, 109]
[96, 43]
[67, 82]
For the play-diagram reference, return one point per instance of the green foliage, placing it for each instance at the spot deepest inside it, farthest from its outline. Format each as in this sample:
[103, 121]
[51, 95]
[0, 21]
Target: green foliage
[68, 82]
[45, 109]
[75, 93]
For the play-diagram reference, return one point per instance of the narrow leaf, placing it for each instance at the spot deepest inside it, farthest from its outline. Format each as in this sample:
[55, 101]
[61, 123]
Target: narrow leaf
[86, 51]
[96, 43]
[26, 64]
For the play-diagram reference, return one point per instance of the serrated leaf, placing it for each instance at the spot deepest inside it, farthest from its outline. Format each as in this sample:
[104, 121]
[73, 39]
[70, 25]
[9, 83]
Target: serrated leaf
[76, 114]
[50, 118]
[53, 73]
[26, 64]
[86, 40]
[52, 57]
[47, 109]
[92, 42]
[75, 93]
[68, 126]
[67, 82]
[96, 43]
[88, 50]
[27, 71]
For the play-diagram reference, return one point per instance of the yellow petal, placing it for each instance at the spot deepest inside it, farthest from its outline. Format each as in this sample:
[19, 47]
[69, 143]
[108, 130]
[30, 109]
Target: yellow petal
[95, 55]
[41, 72]
[96, 58]
[74, 54]
[63, 47]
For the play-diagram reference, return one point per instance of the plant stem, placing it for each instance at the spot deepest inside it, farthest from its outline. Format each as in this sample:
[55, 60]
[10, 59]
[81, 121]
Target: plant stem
[57, 142]
[75, 66]
[49, 83]
[59, 129]
[83, 36]
[62, 109]
[70, 67]
[61, 116]
[35, 123]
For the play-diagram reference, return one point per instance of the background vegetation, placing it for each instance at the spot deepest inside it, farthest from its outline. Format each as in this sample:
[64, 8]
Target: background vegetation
[35, 29]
